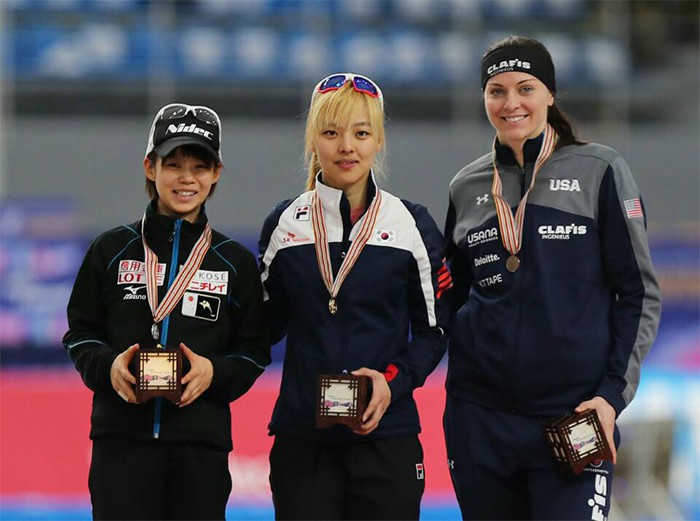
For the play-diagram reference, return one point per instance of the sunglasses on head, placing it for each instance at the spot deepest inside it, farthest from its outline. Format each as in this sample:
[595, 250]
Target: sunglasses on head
[180, 110]
[359, 83]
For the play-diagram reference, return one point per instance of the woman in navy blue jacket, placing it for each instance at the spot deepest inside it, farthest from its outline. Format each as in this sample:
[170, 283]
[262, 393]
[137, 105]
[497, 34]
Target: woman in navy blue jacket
[556, 299]
[354, 277]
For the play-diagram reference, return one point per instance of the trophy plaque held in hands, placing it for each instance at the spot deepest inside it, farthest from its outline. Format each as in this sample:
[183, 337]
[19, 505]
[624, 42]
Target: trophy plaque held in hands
[578, 439]
[342, 399]
[158, 373]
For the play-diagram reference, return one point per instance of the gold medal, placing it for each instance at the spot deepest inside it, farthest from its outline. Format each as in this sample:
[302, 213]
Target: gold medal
[513, 263]
[332, 306]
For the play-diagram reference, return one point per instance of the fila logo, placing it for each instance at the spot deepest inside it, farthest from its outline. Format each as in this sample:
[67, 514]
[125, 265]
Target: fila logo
[191, 129]
[420, 471]
[301, 213]
[597, 502]
[564, 185]
[507, 64]
[482, 199]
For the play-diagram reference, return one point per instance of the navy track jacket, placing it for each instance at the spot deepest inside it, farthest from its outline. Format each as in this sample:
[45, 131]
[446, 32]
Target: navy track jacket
[392, 307]
[579, 316]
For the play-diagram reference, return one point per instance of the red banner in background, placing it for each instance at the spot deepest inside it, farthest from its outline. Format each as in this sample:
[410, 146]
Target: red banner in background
[45, 449]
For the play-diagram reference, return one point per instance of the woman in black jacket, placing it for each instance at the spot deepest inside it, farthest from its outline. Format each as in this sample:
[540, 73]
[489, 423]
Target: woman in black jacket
[167, 281]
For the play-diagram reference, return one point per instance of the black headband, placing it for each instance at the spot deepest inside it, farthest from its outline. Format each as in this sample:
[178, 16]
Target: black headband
[521, 58]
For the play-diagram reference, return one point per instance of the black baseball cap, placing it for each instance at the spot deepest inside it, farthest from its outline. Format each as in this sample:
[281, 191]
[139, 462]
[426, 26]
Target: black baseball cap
[180, 124]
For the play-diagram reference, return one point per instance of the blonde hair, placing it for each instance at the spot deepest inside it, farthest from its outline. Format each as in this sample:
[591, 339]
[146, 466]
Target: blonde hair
[335, 107]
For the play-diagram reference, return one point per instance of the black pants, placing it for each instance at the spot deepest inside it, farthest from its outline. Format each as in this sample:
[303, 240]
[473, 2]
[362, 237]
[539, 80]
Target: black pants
[135, 479]
[381, 479]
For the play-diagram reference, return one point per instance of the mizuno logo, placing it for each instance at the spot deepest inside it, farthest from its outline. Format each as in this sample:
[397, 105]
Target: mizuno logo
[133, 293]
[190, 129]
[482, 199]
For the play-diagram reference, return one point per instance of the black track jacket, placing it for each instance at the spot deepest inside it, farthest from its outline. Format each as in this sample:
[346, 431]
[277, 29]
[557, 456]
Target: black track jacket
[108, 311]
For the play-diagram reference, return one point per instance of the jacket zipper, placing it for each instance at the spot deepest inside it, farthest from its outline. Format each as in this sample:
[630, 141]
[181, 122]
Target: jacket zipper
[166, 321]
[516, 351]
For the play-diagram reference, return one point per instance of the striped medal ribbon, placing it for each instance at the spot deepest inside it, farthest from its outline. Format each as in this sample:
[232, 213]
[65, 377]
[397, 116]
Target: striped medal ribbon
[183, 279]
[323, 255]
[511, 227]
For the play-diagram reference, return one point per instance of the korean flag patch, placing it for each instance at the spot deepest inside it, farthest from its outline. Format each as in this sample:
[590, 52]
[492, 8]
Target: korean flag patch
[382, 236]
[204, 307]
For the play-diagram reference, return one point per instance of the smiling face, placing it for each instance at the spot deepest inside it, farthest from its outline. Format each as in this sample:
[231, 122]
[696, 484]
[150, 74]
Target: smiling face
[516, 104]
[346, 152]
[183, 183]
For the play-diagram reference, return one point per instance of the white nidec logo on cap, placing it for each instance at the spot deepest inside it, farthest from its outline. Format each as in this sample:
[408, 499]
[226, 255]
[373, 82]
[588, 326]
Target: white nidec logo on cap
[190, 129]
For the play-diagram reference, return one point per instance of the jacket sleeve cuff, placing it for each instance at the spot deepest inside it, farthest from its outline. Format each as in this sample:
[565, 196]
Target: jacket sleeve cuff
[232, 377]
[613, 397]
[398, 381]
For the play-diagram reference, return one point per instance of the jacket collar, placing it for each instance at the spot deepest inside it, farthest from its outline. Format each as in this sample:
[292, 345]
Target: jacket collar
[334, 199]
[531, 149]
[159, 228]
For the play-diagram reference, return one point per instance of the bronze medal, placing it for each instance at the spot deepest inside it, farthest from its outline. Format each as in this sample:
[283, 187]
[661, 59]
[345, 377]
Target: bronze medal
[511, 226]
[323, 256]
[513, 263]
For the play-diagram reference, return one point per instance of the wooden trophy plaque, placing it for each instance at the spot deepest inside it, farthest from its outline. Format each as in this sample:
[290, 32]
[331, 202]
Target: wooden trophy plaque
[342, 399]
[576, 440]
[158, 373]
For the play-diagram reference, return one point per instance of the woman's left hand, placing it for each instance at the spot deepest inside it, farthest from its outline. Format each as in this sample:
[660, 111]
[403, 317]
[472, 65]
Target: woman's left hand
[381, 398]
[606, 415]
[198, 379]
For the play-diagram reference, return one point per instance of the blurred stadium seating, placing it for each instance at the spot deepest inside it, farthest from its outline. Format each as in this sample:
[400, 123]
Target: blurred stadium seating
[72, 50]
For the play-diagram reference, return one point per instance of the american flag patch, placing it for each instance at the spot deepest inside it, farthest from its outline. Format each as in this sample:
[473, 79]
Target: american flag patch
[633, 207]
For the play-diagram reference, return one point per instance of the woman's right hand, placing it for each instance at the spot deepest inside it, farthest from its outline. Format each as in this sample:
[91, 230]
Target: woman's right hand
[122, 380]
